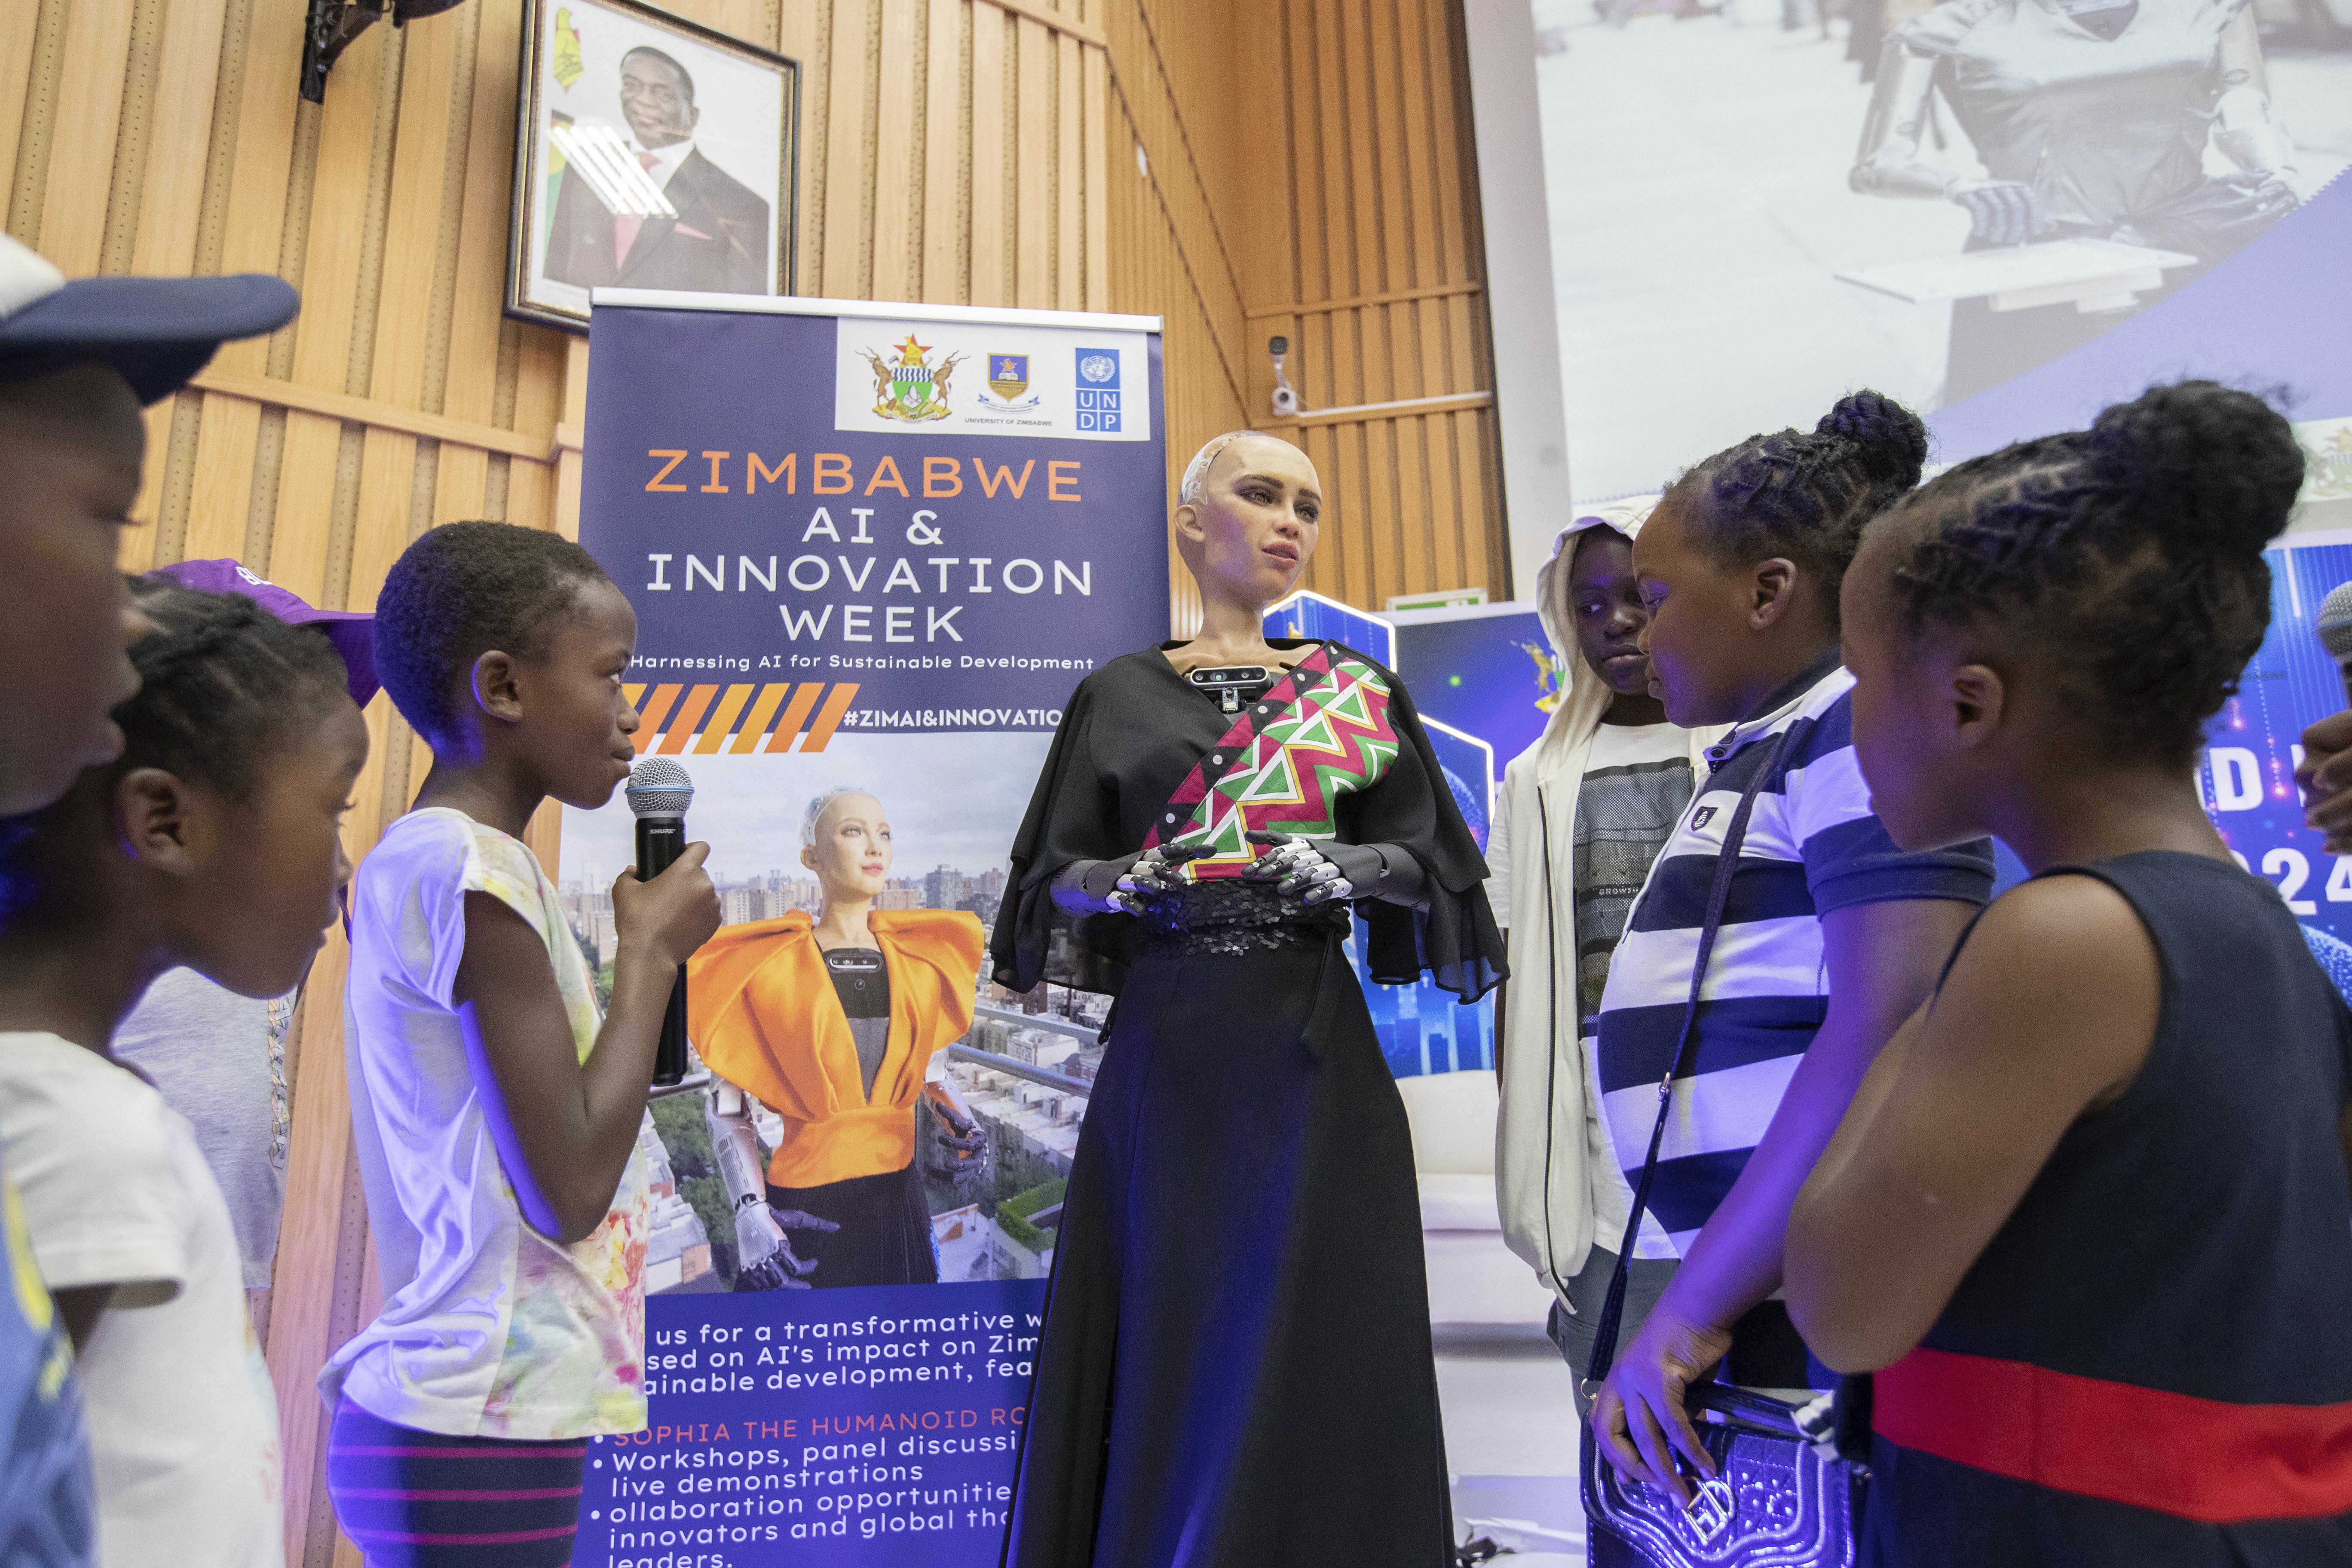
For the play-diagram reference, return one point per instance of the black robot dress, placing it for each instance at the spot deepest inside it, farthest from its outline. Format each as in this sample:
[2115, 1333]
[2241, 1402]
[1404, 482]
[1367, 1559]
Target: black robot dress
[1235, 1367]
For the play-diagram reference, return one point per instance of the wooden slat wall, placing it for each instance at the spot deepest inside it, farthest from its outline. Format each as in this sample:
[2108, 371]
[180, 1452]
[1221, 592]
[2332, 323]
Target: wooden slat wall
[1361, 245]
[1174, 95]
[969, 151]
[165, 136]
[1307, 169]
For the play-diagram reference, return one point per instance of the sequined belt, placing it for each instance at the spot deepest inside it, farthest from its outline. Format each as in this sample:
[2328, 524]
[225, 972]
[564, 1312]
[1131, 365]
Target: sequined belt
[1229, 917]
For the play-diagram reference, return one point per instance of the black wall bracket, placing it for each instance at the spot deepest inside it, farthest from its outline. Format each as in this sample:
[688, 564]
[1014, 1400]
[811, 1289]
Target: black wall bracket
[332, 24]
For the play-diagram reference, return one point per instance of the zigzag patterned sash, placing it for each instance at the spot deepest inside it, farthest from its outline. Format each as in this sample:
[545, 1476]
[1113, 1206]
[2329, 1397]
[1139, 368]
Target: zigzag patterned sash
[1322, 731]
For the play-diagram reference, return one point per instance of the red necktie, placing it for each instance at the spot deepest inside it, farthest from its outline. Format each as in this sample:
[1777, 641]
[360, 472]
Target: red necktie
[626, 225]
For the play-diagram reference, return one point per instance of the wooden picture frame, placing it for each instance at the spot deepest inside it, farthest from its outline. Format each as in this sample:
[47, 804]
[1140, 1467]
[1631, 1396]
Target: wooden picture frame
[650, 152]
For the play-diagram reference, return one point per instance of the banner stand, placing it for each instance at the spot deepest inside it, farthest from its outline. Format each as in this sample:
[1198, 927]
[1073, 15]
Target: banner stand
[872, 548]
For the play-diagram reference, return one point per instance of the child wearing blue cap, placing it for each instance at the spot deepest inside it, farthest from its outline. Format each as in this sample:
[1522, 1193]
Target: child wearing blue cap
[77, 363]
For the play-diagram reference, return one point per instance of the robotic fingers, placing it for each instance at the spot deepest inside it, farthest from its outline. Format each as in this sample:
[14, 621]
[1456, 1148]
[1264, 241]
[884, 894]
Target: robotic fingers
[951, 1142]
[766, 1259]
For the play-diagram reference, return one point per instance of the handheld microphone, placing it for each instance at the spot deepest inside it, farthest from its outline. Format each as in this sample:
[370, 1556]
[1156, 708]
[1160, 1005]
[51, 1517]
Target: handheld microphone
[659, 792]
[2336, 632]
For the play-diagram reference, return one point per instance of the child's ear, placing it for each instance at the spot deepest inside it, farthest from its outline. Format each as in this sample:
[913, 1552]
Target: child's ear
[155, 809]
[497, 691]
[1775, 590]
[1978, 700]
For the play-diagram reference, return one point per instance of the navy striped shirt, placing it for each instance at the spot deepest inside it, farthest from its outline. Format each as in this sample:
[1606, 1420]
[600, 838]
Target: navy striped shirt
[1812, 845]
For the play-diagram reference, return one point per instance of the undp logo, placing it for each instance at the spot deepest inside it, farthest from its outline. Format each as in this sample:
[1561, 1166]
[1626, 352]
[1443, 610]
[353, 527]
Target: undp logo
[1098, 389]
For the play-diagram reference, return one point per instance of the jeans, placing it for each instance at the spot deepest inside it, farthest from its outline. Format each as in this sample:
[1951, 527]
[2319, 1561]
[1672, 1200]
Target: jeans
[1573, 1332]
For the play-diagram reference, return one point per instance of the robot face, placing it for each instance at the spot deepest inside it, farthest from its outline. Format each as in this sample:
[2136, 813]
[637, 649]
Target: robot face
[853, 853]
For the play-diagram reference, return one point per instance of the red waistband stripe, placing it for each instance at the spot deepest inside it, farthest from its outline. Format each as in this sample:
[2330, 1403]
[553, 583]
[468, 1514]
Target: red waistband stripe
[706, 721]
[499, 1451]
[2204, 1459]
[411, 1494]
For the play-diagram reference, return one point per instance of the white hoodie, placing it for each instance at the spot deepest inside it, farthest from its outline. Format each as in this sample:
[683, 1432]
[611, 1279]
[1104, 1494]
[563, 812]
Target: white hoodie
[1547, 1203]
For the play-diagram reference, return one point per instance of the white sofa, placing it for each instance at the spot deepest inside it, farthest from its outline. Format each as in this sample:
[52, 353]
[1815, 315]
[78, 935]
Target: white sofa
[1474, 1278]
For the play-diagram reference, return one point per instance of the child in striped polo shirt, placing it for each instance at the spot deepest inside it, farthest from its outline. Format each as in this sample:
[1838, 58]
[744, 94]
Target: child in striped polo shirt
[1831, 936]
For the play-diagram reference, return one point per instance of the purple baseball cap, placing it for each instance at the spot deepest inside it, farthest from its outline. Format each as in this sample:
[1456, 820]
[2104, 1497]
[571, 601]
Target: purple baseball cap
[352, 631]
[156, 332]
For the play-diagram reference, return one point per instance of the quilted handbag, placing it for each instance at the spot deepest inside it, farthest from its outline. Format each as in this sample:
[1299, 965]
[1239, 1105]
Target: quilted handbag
[1774, 1502]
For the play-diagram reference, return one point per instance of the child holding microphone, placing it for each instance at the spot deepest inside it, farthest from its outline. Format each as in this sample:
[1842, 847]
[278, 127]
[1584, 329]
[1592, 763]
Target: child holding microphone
[496, 1114]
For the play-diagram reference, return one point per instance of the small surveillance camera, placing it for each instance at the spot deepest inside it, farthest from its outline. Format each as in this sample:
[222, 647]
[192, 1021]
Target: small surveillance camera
[1286, 396]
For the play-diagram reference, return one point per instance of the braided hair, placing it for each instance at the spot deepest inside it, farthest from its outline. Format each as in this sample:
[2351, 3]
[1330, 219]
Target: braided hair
[461, 590]
[1804, 496]
[222, 686]
[2127, 556]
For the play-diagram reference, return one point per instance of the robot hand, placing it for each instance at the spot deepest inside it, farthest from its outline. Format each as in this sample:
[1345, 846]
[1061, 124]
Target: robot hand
[1122, 886]
[1155, 871]
[1300, 866]
[2006, 212]
[768, 1261]
[764, 1257]
[955, 1146]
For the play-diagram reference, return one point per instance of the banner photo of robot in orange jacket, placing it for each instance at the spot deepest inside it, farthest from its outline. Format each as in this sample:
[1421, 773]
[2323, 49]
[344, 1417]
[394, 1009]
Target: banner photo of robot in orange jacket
[872, 548]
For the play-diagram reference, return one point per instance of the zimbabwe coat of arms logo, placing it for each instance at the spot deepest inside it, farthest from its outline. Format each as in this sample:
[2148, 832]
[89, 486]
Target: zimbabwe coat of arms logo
[912, 388]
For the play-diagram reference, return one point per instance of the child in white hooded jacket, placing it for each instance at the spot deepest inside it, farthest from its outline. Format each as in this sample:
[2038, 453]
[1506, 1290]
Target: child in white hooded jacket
[1583, 814]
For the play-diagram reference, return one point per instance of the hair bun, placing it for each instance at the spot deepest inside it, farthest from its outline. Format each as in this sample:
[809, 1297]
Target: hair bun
[1889, 437]
[2207, 466]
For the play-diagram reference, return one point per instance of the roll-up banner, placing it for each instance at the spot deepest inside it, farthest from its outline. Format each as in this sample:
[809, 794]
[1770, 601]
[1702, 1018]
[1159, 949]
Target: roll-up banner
[872, 548]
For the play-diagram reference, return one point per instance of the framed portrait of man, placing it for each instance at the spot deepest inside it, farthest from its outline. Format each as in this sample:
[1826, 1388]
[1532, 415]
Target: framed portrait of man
[649, 153]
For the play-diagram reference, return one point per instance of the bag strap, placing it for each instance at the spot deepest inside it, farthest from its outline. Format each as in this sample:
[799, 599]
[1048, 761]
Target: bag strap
[1726, 865]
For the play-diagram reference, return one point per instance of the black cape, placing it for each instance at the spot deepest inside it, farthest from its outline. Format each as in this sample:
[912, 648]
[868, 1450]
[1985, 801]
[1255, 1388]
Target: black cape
[1237, 1367]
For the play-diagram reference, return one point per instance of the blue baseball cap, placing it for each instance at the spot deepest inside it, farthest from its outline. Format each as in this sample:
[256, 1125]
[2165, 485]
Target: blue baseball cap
[156, 332]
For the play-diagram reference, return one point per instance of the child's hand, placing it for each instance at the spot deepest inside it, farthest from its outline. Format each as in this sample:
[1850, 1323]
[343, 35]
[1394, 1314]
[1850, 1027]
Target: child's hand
[671, 916]
[2326, 776]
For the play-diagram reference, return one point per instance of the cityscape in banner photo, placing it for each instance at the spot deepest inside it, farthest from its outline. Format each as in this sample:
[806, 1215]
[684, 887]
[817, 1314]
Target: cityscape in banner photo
[1020, 1072]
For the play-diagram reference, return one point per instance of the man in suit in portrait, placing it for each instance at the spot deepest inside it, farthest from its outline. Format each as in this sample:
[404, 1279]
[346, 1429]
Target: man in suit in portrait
[717, 243]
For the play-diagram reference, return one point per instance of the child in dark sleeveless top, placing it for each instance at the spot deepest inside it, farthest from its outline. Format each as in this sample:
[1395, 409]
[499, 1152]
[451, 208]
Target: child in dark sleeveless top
[2088, 1218]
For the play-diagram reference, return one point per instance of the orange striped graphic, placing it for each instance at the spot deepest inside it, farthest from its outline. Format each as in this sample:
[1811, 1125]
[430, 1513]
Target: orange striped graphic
[828, 718]
[756, 724]
[681, 729]
[741, 716]
[722, 722]
[650, 717]
[795, 717]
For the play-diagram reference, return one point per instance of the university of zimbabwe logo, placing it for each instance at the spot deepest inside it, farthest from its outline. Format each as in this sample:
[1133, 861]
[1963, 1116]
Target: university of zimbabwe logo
[912, 389]
[1008, 378]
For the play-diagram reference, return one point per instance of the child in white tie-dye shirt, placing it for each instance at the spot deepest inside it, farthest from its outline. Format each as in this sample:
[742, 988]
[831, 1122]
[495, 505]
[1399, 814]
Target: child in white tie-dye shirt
[496, 1115]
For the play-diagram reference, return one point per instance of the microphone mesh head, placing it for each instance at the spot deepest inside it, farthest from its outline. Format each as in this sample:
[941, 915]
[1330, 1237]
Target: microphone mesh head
[658, 786]
[2336, 621]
